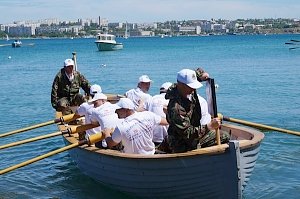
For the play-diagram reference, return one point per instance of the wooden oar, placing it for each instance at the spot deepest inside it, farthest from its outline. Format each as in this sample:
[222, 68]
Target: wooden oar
[30, 140]
[72, 130]
[91, 140]
[259, 126]
[65, 118]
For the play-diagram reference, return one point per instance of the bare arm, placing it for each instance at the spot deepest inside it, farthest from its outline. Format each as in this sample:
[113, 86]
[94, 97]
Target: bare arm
[201, 74]
[95, 122]
[107, 134]
[163, 121]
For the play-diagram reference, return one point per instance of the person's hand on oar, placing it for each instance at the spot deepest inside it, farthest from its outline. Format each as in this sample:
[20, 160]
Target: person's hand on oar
[215, 123]
[201, 75]
[65, 118]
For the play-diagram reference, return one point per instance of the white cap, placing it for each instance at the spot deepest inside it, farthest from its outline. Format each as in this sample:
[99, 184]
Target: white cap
[165, 86]
[68, 62]
[189, 78]
[125, 103]
[95, 88]
[98, 96]
[144, 78]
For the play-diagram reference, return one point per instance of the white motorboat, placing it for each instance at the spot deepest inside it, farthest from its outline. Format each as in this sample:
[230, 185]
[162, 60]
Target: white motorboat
[16, 44]
[107, 42]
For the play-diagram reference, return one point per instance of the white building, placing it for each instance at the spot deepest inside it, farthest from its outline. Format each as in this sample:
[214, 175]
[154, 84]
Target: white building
[198, 30]
[187, 29]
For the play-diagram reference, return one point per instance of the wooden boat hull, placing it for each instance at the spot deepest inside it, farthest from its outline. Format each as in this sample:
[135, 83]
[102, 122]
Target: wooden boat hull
[213, 172]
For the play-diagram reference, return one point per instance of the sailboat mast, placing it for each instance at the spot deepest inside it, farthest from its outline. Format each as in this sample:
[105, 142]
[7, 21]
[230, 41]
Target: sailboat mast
[126, 36]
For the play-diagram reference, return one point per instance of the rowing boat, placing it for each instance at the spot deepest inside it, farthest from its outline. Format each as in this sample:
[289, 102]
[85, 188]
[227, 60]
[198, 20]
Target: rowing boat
[220, 171]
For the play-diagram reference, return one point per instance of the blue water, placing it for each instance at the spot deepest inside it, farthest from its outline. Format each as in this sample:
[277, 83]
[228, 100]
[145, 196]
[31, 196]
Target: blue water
[258, 80]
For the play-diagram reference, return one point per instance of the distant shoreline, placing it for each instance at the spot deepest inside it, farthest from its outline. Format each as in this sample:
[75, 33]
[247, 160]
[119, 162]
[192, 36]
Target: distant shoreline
[165, 36]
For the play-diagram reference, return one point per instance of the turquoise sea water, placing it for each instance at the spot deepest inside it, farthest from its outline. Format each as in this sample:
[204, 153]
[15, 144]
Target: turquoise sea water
[258, 80]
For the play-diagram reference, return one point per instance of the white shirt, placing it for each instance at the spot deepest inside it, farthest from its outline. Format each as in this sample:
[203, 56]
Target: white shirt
[136, 132]
[136, 95]
[105, 115]
[206, 117]
[156, 105]
[86, 110]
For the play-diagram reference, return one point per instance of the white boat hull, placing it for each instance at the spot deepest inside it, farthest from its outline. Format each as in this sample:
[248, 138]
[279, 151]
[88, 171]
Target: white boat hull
[103, 46]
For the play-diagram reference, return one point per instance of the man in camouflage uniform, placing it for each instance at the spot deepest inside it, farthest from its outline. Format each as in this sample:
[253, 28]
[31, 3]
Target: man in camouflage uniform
[65, 88]
[184, 114]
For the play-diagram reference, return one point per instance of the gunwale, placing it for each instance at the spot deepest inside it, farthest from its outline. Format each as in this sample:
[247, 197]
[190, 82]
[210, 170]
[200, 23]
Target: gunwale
[254, 138]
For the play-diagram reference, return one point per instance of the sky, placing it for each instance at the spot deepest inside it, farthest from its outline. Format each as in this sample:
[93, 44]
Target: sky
[146, 11]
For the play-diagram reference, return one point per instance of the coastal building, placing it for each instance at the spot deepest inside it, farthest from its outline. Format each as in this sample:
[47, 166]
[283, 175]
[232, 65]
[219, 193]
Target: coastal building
[219, 28]
[87, 27]
[47, 30]
[49, 22]
[187, 29]
[207, 26]
[146, 33]
[18, 31]
[115, 25]
[198, 30]
[2, 27]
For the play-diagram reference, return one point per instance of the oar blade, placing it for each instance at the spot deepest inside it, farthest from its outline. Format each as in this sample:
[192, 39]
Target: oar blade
[293, 48]
[289, 43]
[294, 40]
[212, 101]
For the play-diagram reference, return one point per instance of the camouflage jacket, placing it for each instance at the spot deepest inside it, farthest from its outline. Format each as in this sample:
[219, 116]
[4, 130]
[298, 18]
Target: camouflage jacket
[62, 87]
[183, 115]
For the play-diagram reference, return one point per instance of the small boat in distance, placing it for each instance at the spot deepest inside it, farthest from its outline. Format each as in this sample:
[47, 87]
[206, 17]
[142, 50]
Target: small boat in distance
[107, 42]
[16, 44]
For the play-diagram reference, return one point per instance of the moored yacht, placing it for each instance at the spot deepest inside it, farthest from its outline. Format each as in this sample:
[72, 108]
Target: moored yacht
[107, 42]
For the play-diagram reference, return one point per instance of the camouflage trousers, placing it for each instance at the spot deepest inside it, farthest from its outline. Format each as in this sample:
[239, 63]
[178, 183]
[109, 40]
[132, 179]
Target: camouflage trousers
[172, 144]
[209, 139]
[64, 104]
